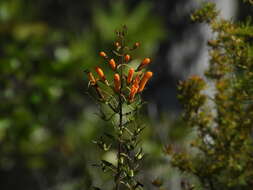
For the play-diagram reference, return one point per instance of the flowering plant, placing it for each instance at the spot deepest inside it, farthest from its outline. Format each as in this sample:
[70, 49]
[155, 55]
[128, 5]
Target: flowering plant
[119, 97]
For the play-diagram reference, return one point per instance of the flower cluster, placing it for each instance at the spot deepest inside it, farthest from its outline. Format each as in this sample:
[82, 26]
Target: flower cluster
[129, 84]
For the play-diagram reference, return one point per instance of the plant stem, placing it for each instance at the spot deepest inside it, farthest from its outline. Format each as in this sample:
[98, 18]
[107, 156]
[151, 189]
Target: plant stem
[119, 143]
[120, 124]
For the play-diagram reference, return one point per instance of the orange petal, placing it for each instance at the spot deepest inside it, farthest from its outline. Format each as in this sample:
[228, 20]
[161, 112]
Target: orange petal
[133, 91]
[117, 83]
[144, 80]
[130, 75]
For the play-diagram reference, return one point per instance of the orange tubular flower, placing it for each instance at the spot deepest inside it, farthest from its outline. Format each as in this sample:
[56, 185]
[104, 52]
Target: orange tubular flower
[130, 75]
[112, 64]
[102, 54]
[137, 81]
[127, 57]
[91, 78]
[117, 84]
[144, 80]
[101, 75]
[144, 63]
[133, 91]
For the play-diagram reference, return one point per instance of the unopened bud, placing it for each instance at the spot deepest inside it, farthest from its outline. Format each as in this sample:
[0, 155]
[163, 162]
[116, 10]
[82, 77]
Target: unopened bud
[112, 64]
[117, 83]
[144, 63]
[101, 75]
[127, 57]
[130, 75]
[91, 78]
[102, 54]
[117, 44]
[137, 44]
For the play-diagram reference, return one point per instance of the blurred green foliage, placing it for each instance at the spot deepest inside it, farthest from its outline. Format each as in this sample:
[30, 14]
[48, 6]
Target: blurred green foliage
[219, 112]
[46, 120]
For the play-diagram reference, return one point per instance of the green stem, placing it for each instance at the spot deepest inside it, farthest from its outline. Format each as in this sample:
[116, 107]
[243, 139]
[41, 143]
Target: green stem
[120, 123]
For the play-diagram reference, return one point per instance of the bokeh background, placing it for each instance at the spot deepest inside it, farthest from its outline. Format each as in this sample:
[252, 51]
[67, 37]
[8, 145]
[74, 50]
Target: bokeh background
[48, 122]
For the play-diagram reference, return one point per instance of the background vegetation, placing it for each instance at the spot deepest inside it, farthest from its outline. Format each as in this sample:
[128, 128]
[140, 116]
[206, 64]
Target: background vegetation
[47, 122]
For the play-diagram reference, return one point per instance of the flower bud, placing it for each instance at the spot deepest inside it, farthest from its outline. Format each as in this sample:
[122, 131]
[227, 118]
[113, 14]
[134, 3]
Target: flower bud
[117, 84]
[130, 75]
[100, 73]
[144, 63]
[144, 80]
[91, 78]
[127, 57]
[117, 44]
[102, 54]
[112, 64]
[136, 45]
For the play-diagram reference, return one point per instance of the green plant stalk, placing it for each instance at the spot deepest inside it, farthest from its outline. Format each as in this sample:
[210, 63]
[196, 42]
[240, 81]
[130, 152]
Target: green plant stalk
[126, 132]
[120, 122]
